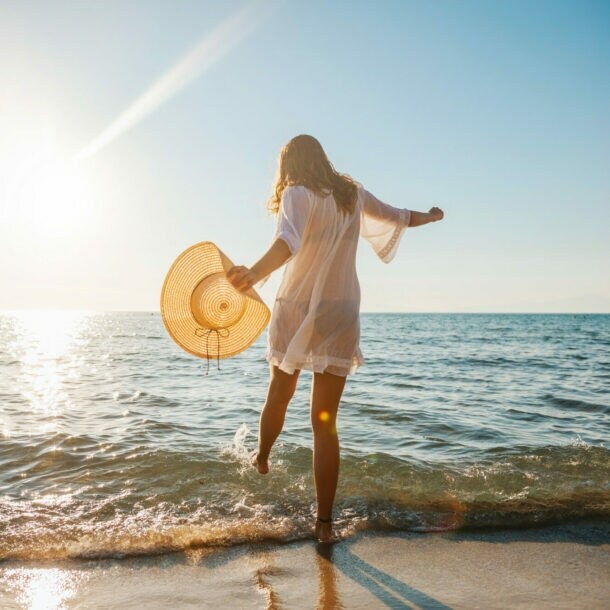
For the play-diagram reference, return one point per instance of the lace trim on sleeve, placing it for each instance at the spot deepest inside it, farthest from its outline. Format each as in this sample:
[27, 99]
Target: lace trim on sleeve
[387, 250]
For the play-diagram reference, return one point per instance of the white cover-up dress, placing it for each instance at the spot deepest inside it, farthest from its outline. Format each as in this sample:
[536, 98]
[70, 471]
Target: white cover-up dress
[315, 322]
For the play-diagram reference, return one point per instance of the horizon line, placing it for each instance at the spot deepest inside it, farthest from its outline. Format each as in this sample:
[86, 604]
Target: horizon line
[156, 311]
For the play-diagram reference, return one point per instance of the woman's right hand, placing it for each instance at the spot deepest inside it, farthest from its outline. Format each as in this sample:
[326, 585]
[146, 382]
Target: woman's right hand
[242, 278]
[436, 213]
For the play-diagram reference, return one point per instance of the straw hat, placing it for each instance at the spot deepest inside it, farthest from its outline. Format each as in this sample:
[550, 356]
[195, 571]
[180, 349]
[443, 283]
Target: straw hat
[203, 312]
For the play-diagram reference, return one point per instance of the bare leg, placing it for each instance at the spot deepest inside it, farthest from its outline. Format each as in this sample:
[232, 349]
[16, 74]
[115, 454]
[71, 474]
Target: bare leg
[281, 389]
[325, 396]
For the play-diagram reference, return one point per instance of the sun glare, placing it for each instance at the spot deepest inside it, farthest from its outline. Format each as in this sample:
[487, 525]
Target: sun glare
[44, 588]
[48, 334]
[46, 345]
[48, 193]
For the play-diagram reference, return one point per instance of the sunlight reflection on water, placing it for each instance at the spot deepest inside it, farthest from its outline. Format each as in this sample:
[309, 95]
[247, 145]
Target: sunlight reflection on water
[44, 344]
[43, 588]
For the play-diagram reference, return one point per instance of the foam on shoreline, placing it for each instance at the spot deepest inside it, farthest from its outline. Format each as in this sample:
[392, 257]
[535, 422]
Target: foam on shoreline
[546, 567]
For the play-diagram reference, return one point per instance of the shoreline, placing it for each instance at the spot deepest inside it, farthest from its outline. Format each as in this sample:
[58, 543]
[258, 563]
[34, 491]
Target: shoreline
[553, 566]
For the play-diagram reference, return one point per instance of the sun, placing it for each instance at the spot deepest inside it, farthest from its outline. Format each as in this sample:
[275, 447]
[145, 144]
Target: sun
[45, 193]
[48, 193]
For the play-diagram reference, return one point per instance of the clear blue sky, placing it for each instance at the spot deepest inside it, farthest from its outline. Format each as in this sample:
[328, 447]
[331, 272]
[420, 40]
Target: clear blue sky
[498, 112]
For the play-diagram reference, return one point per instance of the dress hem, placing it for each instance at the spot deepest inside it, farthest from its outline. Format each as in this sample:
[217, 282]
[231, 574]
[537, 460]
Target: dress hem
[316, 364]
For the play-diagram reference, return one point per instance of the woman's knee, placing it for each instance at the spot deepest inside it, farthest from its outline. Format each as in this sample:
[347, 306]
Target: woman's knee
[325, 397]
[281, 394]
[323, 423]
[283, 385]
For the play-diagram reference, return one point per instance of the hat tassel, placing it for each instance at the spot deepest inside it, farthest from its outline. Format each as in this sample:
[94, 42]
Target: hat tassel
[201, 332]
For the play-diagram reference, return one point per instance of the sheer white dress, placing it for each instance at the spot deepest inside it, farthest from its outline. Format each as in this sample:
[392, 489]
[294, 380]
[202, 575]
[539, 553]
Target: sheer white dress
[315, 322]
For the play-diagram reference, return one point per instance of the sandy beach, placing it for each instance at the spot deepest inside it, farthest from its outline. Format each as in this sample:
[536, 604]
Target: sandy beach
[564, 566]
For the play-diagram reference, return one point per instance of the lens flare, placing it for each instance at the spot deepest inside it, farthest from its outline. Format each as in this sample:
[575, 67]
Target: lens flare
[208, 51]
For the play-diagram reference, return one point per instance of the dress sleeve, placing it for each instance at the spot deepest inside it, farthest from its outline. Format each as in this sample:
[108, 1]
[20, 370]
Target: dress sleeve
[382, 225]
[292, 217]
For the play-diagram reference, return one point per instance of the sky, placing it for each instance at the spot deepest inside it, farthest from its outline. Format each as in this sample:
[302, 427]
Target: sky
[130, 131]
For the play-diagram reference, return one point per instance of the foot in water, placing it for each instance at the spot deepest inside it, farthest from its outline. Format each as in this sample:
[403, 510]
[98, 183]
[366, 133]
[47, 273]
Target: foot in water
[261, 466]
[324, 530]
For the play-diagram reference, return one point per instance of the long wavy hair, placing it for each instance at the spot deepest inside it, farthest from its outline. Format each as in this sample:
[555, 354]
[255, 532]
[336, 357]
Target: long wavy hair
[303, 162]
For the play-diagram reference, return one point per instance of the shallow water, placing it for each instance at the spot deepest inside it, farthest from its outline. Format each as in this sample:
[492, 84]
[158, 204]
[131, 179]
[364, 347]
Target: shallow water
[115, 442]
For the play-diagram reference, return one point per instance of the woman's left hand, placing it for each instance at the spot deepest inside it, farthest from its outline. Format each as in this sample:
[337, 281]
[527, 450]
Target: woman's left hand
[436, 213]
[241, 277]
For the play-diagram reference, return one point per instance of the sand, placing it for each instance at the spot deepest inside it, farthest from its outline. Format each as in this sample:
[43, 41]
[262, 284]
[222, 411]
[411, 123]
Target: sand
[565, 566]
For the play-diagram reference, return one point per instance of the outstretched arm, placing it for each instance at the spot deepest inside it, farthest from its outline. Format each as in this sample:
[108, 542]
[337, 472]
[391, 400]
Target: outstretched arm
[243, 278]
[421, 218]
[382, 225]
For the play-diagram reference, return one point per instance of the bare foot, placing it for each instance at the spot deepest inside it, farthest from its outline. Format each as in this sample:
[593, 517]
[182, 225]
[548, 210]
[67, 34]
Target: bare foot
[323, 531]
[261, 466]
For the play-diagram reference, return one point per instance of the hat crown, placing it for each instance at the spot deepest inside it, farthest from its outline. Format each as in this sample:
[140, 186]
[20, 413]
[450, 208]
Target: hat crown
[215, 303]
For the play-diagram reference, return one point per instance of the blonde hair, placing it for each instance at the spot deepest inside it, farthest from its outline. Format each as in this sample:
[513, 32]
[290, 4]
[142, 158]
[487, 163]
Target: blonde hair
[303, 162]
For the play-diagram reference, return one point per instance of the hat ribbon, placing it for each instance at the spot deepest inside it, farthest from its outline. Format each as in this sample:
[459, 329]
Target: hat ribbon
[206, 332]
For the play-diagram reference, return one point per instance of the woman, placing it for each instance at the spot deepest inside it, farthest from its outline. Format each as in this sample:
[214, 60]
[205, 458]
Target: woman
[315, 323]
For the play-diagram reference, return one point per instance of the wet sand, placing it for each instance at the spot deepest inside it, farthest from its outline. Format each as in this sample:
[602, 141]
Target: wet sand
[555, 567]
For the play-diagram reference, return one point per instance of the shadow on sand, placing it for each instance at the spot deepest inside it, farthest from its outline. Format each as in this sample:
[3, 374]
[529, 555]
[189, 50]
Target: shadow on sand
[394, 593]
[389, 590]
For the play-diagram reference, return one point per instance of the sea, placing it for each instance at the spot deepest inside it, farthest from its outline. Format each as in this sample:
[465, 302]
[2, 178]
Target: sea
[114, 442]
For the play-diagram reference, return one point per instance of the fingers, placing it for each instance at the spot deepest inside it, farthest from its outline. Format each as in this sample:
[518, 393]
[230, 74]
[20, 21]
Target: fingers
[437, 213]
[234, 270]
[236, 274]
[243, 285]
[241, 277]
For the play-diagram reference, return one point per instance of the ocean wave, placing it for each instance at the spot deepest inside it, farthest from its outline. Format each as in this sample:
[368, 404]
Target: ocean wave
[118, 501]
[144, 398]
[573, 403]
[152, 532]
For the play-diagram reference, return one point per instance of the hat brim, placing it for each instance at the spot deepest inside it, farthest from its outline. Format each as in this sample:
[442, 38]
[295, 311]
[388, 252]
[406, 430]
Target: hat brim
[188, 270]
